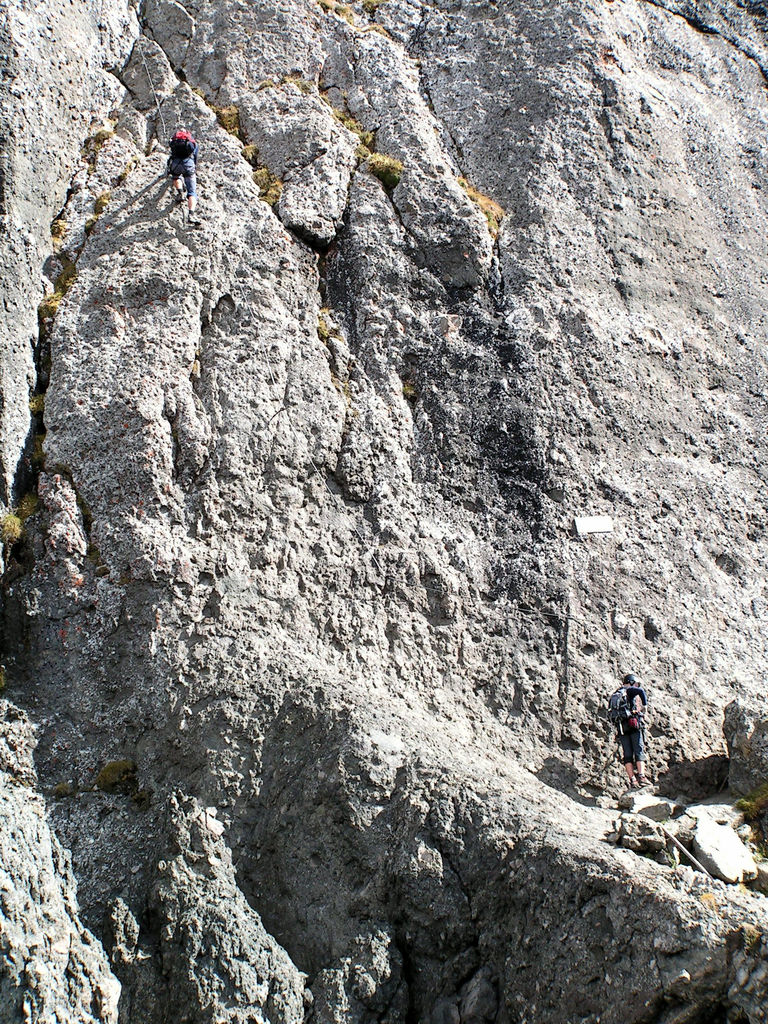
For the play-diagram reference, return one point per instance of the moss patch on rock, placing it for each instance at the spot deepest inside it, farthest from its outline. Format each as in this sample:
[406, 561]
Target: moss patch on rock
[49, 307]
[117, 777]
[387, 169]
[123, 175]
[367, 138]
[754, 804]
[27, 506]
[11, 529]
[62, 790]
[37, 405]
[270, 186]
[251, 154]
[94, 143]
[494, 213]
[302, 84]
[229, 119]
[343, 10]
[102, 202]
[58, 231]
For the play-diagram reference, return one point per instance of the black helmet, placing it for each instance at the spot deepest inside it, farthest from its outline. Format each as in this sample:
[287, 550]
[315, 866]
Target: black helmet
[629, 679]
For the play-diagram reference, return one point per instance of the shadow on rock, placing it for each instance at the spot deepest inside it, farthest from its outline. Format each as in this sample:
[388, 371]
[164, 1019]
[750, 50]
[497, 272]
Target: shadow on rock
[696, 779]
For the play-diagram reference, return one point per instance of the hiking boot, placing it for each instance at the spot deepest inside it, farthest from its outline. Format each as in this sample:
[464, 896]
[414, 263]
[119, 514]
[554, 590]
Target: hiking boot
[642, 780]
[193, 221]
[179, 196]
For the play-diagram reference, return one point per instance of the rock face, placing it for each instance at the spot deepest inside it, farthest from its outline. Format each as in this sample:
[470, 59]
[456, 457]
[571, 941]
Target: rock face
[746, 732]
[303, 545]
[44, 122]
[51, 967]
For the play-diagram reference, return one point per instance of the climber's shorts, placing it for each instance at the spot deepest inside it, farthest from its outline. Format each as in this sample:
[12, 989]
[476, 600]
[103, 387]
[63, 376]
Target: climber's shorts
[632, 748]
[185, 169]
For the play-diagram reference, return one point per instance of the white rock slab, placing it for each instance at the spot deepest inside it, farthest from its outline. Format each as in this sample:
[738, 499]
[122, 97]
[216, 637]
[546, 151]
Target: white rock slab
[722, 852]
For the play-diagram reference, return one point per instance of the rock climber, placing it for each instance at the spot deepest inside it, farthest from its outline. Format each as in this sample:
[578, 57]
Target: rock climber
[627, 708]
[182, 163]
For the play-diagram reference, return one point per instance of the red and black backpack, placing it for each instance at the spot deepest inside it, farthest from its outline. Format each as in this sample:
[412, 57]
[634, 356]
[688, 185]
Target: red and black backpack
[182, 145]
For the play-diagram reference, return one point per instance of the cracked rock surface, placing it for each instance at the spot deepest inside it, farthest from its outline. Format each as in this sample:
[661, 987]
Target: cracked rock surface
[315, 656]
[51, 966]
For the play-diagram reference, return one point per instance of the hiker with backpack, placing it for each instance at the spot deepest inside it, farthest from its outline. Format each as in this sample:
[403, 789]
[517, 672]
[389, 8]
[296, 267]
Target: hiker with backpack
[626, 708]
[182, 163]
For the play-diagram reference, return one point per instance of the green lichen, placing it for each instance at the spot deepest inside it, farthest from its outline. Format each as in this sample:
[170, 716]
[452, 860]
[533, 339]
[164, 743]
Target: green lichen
[142, 799]
[371, 6]
[123, 175]
[49, 307]
[117, 777]
[343, 387]
[38, 452]
[58, 231]
[343, 10]
[62, 790]
[66, 278]
[91, 223]
[387, 169]
[326, 329]
[3, 678]
[101, 136]
[37, 405]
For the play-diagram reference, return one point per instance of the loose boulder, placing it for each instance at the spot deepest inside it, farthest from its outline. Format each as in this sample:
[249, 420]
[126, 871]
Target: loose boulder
[721, 851]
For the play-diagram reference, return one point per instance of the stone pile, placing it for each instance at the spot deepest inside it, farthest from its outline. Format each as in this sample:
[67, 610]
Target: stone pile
[714, 835]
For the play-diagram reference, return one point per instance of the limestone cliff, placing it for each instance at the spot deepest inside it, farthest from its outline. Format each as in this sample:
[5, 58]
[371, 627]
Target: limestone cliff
[292, 589]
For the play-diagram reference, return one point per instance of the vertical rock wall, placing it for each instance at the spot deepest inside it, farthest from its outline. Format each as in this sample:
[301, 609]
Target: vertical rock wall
[311, 643]
[58, 64]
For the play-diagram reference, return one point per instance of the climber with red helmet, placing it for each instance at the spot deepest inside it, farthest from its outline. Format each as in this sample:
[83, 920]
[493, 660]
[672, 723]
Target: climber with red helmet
[182, 163]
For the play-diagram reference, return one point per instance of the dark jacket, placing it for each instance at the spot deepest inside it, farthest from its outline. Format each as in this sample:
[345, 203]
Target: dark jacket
[635, 723]
[183, 166]
[636, 691]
